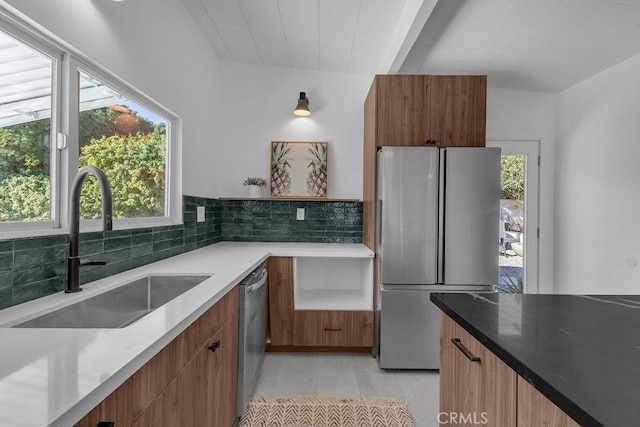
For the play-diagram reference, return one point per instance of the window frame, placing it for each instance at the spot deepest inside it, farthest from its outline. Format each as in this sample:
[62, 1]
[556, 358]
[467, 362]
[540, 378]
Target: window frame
[57, 56]
[67, 63]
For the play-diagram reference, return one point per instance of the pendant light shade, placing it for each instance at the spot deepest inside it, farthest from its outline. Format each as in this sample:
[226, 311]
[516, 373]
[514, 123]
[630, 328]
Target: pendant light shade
[302, 109]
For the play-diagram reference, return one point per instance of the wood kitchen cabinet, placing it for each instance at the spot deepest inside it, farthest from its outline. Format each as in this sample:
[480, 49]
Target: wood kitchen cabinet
[186, 383]
[424, 110]
[295, 330]
[333, 328]
[469, 389]
[418, 110]
[204, 389]
[457, 110]
[475, 385]
[536, 410]
[280, 274]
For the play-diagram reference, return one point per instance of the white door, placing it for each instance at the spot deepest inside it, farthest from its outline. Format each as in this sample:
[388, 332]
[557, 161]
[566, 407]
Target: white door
[518, 250]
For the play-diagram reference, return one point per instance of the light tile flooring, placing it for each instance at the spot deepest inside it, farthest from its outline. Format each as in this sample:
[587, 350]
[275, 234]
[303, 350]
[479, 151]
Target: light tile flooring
[349, 375]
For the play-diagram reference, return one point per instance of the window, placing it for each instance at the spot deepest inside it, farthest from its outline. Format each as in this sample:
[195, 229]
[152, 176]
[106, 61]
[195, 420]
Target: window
[26, 89]
[110, 125]
[129, 143]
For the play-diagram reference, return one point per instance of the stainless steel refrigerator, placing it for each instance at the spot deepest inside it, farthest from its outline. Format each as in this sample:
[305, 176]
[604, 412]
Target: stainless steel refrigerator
[437, 231]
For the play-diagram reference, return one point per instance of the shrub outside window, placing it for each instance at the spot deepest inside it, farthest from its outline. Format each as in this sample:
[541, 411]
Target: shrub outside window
[129, 143]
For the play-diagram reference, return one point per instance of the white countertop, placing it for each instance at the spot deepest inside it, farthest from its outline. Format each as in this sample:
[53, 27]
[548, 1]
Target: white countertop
[53, 377]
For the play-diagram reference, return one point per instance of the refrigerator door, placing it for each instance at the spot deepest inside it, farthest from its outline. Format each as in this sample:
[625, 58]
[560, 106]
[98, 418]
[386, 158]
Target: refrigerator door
[471, 216]
[407, 215]
[409, 328]
[408, 325]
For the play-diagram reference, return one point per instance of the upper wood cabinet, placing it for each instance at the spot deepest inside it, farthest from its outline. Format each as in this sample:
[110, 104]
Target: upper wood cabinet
[418, 110]
[422, 110]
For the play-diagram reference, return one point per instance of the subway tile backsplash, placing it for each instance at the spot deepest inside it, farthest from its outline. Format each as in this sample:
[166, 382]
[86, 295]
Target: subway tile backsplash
[31, 268]
[275, 221]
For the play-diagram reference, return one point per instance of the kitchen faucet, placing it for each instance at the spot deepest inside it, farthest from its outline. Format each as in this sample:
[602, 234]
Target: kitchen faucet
[74, 262]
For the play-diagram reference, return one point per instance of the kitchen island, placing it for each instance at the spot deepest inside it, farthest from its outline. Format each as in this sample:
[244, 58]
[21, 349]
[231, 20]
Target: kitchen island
[582, 352]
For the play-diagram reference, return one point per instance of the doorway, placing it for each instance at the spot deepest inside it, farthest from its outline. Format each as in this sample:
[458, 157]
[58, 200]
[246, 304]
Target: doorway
[519, 232]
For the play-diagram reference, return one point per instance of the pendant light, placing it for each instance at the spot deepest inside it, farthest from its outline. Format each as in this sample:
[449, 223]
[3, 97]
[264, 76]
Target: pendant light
[302, 109]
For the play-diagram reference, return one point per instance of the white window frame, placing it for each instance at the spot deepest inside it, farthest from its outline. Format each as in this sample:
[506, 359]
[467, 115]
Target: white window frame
[56, 55]
[170, 166]
[64, 119]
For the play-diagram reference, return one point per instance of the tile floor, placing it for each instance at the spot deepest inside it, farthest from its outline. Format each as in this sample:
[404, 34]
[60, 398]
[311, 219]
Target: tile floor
[349, 375]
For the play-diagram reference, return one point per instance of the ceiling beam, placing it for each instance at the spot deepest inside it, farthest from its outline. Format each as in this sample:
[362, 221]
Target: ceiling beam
[411, 22]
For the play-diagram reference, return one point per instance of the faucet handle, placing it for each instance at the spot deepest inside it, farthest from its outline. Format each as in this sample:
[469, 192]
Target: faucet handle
[84, 262]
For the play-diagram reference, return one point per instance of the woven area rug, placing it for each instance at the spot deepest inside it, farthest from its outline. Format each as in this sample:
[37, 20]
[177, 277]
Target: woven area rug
[326, 411]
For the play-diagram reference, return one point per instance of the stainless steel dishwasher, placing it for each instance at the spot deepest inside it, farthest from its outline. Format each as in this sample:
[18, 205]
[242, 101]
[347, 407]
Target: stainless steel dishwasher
[251, 337]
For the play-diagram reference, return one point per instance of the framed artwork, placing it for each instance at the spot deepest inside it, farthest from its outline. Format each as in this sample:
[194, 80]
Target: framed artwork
[299, 170]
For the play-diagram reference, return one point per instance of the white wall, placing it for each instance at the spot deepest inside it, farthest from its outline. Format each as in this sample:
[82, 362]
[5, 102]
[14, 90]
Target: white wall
[530, 116]
[156, 47]
[598, 202]
[256, 107]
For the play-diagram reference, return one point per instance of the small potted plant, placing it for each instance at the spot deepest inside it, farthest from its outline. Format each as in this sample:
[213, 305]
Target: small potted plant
[255, 186]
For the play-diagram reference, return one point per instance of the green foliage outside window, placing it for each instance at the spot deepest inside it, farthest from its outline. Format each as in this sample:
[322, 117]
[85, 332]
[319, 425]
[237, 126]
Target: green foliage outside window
[129, 149]
[135, 167]
[512, 178]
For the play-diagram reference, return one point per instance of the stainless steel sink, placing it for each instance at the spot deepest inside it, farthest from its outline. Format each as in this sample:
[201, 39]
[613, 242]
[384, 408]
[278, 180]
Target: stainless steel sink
[119, 307]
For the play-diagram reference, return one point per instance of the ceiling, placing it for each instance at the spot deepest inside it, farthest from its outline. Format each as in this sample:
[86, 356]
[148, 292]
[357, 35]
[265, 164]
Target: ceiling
[539, 45]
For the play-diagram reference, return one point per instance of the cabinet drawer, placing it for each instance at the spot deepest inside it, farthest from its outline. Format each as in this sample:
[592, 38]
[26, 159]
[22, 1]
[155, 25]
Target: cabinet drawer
[336, 329]
[333, 328]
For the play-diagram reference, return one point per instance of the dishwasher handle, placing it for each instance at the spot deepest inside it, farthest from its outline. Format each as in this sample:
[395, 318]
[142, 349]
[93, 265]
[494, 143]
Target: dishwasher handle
[260, 283]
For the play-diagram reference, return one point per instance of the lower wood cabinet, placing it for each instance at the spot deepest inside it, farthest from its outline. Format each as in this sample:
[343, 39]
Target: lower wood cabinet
[289, 328]
[191, 382]
[536, 410]
[280, 276]
[203, 390]
[328, 328]
[477, 388]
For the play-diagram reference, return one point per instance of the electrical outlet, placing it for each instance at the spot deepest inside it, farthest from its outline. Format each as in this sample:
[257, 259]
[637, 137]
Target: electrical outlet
[200, 214]
[300, 214]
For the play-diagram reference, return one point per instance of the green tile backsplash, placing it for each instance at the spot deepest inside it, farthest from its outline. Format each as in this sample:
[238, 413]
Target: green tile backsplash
[275, 221]
[31, 268]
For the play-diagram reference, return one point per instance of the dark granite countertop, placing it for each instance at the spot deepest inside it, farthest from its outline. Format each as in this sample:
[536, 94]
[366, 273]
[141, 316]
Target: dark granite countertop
[581, 351]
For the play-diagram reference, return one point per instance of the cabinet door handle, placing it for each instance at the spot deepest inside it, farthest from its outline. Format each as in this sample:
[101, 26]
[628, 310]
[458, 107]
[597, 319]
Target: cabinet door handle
[215, 345]
[333, 329]
[468, 355]
[107, 424]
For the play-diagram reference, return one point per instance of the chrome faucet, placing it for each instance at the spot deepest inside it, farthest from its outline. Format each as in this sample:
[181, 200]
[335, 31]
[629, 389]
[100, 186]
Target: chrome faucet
[74, 262]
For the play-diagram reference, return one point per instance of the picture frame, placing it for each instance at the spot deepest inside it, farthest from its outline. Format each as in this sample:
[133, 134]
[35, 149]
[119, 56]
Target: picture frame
[299, 170]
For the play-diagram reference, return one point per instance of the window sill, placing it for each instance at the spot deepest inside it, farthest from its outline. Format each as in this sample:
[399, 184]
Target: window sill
[89, 226]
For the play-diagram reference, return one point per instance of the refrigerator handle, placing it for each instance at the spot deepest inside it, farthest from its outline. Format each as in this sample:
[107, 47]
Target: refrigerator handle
[379, 223]
[441, 201]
